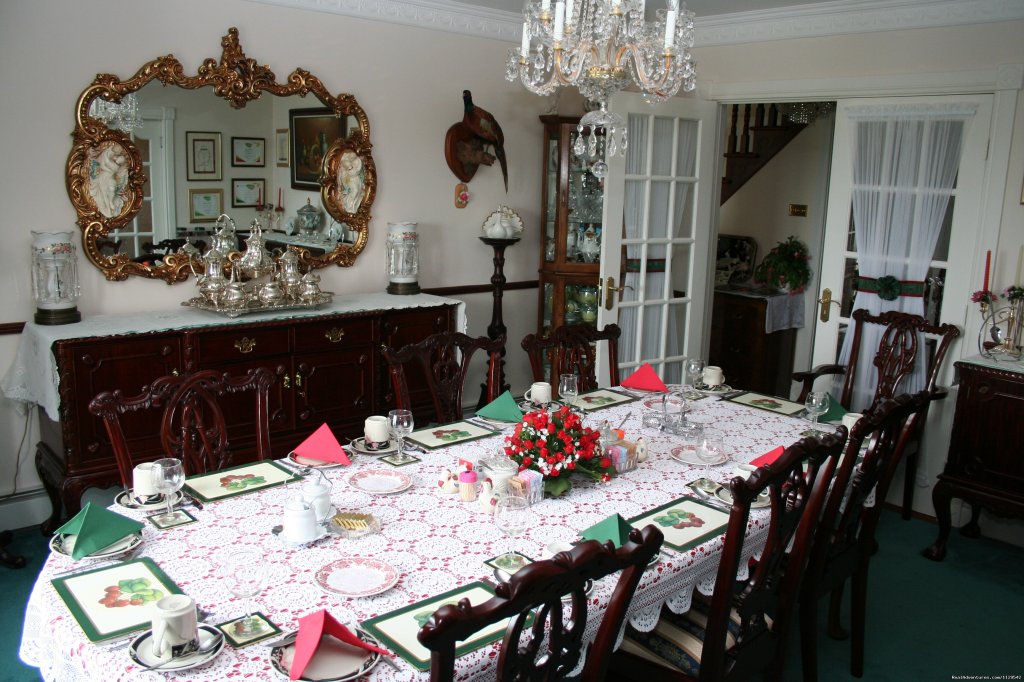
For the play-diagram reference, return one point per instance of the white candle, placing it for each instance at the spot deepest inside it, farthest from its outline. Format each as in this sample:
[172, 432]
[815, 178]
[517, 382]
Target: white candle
[545, 5]
[568, 12]
[670, 28]
[559, 20]
[524, 49]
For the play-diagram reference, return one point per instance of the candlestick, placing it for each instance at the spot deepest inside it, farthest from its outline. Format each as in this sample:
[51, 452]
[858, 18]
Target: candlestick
[988, 262]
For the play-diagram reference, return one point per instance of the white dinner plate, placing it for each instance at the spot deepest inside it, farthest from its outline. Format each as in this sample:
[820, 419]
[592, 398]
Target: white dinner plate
[334, 661]
[689, 456]
[299, 460]
[380, 481]
[359, 445]
[357, 577]
[65, 544]
[761, 502]
[141, 651]
[127, 500]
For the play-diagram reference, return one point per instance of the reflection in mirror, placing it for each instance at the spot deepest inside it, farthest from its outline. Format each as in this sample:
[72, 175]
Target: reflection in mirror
[195, 152]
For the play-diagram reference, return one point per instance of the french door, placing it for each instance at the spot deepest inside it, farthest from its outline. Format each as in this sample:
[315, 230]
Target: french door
[658, 218]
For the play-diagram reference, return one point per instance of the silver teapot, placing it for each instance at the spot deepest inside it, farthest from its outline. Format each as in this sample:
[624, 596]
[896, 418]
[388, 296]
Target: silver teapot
[290, 276]
[234, 295]
[224, 239]
[310, 289]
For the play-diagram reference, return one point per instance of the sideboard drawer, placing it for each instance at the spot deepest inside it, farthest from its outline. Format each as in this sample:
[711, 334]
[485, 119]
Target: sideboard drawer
[241, 344]
[334, 334]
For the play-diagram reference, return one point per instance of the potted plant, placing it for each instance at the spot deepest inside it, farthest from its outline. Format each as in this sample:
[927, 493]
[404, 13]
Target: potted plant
[785, 266]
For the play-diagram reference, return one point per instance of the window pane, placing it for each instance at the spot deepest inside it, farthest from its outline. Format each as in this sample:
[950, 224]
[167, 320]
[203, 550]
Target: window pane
[659, 215]
[686, 150]
[661, 161]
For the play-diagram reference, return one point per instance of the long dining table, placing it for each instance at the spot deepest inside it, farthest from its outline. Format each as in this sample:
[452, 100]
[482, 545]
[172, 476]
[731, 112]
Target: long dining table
[435, 541]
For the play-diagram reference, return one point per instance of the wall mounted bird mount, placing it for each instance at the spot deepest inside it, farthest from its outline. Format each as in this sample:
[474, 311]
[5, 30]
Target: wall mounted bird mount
[466, 143]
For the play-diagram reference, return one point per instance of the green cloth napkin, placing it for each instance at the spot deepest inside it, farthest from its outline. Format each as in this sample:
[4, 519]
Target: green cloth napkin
[503, 408]
[95, 528]
[614, 528]
[835, 412]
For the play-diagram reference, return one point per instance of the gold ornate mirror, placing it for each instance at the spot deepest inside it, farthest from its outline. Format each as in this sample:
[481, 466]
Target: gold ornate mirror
[131, 200]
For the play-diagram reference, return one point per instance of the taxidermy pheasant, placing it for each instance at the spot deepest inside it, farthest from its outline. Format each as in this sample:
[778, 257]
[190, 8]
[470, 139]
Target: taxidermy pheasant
[484, 126]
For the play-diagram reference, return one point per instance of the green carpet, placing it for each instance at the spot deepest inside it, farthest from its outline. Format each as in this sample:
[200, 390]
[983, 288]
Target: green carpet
[925, 620]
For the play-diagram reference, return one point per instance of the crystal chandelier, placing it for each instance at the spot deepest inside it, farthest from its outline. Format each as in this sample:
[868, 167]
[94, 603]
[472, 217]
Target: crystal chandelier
[806, 112]
[123, 115]
[601, 47]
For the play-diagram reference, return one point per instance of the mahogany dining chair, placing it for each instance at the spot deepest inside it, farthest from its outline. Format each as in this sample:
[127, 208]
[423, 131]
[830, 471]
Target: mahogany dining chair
[570, 349]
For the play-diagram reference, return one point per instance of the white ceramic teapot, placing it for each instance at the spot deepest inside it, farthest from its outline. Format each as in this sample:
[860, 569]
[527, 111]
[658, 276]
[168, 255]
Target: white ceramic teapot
[317, 494]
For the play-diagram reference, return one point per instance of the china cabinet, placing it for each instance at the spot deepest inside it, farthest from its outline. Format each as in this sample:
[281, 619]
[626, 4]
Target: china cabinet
[572, 202]
[327, 363]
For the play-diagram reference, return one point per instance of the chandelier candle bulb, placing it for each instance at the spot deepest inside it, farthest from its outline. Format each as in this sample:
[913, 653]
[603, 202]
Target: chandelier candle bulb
[524, 49]
[559, 20]
[670, 28]
[568, 14]
[545, 5]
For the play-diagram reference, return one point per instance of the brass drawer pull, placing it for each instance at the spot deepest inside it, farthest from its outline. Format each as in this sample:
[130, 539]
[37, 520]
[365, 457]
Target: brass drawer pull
[245, 344]
[334, 334]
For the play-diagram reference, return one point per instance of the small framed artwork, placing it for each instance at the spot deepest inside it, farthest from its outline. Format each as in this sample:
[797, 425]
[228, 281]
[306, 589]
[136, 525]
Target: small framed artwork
[247, 192]
[203, 152]
[241, 632]
[313, 131]
[205, 205]
[179, 517]
[238, 480]
[281, 147]
[248, 151]
[442, 436]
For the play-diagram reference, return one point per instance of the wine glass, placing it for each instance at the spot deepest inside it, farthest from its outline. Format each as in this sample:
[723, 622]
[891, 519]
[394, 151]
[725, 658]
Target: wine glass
[817, 405]
[169, 476]
[711, 450]
[400, 423]
[246, 571]
[674, 407]
[694, 368]
[568, 389]
[513, 516]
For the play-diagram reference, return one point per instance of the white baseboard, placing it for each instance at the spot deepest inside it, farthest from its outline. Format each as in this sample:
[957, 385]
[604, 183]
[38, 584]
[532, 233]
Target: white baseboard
[25, 509]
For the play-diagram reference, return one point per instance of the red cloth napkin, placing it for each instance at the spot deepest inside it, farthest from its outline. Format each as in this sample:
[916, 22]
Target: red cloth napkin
[311, 628]
[769, 457]
[322, 446]
[644, 378]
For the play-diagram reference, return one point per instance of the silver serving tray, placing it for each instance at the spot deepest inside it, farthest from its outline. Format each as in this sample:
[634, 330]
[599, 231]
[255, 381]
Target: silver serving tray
[257, 306]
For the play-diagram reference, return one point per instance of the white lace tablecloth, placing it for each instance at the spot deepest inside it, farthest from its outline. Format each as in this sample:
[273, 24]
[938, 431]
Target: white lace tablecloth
[435, 541]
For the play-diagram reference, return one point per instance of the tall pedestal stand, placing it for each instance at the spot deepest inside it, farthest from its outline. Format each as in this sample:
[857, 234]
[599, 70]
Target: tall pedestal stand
[497, 326]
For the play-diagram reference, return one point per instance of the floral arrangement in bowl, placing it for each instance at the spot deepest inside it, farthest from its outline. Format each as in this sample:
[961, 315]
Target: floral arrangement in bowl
[557, 444]
[785, 266]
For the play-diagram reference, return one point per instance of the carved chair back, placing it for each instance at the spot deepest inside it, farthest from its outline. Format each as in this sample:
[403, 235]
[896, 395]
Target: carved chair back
[539, 591]
[570, 349]
[192, 425]
[444, 359]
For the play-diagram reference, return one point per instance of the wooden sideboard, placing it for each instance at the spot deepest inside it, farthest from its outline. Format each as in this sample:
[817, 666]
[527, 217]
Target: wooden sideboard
[985, 465]
[752, 359]
[329, 369]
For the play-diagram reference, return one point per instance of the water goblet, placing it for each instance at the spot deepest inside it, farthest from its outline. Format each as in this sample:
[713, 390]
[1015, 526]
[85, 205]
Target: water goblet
[817, 405]
[400, 423]
[710, 451]
[513, 516]
[694, 369]
[674, 407]
[568, 389]
[168, 476]
[246, 571]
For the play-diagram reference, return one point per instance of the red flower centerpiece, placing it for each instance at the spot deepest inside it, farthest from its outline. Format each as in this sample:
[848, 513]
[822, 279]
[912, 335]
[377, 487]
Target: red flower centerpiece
[557, 444]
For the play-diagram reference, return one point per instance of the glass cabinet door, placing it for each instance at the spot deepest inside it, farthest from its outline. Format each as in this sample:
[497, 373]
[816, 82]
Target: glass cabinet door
[585, 203]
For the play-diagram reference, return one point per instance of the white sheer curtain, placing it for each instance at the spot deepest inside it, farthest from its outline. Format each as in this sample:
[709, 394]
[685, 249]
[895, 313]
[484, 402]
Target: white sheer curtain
[905, 162]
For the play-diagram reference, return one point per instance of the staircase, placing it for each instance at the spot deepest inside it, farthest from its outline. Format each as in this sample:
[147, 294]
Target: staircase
[763, 132]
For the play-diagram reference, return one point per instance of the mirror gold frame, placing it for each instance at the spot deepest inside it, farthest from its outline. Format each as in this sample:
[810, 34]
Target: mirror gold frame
[239, 80]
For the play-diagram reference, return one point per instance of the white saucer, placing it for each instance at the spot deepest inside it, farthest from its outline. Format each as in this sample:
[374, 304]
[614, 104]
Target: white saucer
[299, 460]
[687, 456]
[126, 500]
[761, 502]
[712, 390]
[334, 661]
[359, 445]
[380, 481]
[141, 651]
[357, 577]
[65, 545]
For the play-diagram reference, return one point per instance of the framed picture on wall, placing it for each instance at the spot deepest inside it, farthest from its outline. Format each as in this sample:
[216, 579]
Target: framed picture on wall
[248, 151]
[205, 205]
[247, 192]
[203, 152]
[313, 132]
[281, 147]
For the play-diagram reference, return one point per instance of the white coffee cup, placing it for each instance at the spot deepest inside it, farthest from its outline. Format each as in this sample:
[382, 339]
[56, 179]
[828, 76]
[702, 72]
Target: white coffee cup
[376, 433]
[539, 393]
[144, 480]
[300, 522]
[175, 627]
[851, 418]
[713, 376]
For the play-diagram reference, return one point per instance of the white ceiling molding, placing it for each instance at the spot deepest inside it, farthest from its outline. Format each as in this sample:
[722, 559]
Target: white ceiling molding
[849, 16]
[837, 17]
